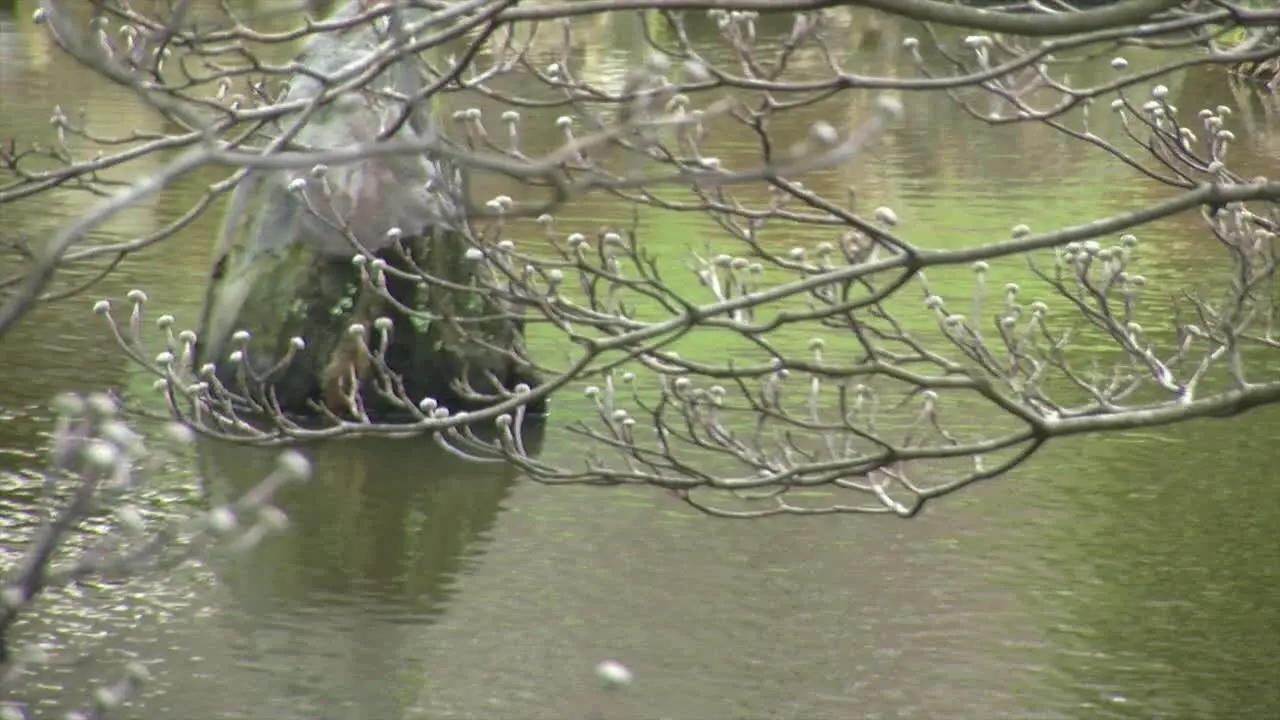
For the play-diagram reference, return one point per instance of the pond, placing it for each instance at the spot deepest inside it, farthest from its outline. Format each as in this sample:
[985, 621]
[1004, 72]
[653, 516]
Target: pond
[1131, 576]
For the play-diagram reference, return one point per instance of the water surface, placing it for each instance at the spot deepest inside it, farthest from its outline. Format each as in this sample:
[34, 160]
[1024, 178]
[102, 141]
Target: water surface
[1123, 577]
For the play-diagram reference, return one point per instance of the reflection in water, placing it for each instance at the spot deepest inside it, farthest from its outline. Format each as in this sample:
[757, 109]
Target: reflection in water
[1126, 577]
[1165, 565]
[329, 613]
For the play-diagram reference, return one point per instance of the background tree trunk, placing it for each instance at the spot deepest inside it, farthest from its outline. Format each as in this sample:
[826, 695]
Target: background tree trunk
[284, 265]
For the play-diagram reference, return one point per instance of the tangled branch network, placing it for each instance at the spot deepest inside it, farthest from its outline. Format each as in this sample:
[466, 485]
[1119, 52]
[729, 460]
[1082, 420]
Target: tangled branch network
[864, 412]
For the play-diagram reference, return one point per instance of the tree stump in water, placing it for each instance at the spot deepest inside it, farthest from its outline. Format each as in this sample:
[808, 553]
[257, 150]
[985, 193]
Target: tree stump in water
[286, 266]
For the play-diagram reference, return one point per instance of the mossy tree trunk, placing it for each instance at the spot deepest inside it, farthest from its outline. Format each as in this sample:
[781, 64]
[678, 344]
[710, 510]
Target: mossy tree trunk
[284, 267]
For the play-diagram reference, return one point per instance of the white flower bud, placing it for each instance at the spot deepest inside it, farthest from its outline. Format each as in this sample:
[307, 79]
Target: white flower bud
[137, 672]
[823, 133]
[294, 464]
[890, 106]
[696, 71]
[101, 404]
[657, 63]
[614, 674]
[221, 520]
[108, 698]
[180, 433]
[67, 405]
[101, 455]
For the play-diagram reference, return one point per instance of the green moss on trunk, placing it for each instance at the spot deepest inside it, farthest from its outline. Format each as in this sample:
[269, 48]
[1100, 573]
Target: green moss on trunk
[284, 269]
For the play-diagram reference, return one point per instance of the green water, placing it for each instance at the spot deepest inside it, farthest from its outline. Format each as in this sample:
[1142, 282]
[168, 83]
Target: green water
[1125, 577]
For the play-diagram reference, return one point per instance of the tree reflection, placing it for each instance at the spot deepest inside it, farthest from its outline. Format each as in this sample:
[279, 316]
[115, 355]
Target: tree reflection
[330, 612]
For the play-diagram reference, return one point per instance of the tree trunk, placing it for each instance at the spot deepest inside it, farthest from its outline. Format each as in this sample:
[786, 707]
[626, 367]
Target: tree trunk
[284, 266]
